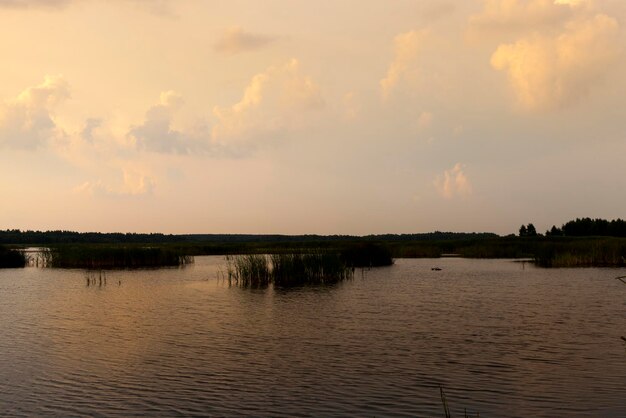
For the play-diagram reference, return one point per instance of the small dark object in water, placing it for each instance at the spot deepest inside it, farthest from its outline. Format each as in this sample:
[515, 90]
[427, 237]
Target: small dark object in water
[446, 408]
[623, 338]
[436, 269]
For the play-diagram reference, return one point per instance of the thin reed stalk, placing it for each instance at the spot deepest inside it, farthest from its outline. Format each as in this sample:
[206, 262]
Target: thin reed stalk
[287, 270]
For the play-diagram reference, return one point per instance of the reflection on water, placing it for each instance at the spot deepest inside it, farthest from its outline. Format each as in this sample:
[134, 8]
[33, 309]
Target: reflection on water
[503, 340]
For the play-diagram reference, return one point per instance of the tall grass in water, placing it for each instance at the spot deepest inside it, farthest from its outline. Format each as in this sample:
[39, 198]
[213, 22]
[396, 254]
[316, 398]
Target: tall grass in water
[103, 258]
[311, 268]
[602, 252]
[12, 258]
[251, 270]
[287, 270]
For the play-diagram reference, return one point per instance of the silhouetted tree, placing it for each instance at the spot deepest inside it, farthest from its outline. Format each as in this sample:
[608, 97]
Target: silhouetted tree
[554, 232]
[585, 227]
[527, 231]
[523, 232]
[16, 236]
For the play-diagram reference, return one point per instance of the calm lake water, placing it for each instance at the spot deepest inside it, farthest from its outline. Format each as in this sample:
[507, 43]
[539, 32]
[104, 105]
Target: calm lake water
[504, 338]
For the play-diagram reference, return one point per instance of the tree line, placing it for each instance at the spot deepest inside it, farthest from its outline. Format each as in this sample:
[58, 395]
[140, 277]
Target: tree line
[581, 227]
[28, 237]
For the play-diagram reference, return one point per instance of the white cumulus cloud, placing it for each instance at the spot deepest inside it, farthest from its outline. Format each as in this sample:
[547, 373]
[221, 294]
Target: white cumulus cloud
[133, 182]
[554, 52]
[549, 71]
[157, 134]
[453, 182]
[279, 98]
[407, 48]
[27, 122]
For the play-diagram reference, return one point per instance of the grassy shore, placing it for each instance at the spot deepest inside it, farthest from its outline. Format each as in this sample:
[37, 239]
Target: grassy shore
[600, 252]
[546, 251]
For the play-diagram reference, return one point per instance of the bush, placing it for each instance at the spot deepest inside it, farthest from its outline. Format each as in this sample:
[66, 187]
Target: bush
[11, 258]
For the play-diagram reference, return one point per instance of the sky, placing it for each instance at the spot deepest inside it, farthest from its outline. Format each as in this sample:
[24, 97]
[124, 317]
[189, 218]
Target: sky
[326, 117]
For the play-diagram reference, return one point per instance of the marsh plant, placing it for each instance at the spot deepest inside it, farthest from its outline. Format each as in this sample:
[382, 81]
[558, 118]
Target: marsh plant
[446, 408]
[12, 258]
[113, 257]
[309, 268]
[96, 278]
[285, 270]
[600, 252]
[251, 270]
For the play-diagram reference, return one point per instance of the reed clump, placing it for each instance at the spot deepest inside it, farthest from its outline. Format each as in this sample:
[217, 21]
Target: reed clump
[607, 252]
[250, 270]
[309, 268]
[286, 270]
[12, 258]
[118, 257]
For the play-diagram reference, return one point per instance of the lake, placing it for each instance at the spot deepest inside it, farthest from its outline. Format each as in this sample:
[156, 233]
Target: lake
[504, 338]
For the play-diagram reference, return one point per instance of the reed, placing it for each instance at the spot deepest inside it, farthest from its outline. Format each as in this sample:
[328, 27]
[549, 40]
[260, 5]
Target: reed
[446, 407]
[606, 252]
[309, 268]
[113, 257]
[251, 270]
[93, 278]
[545, 251]
[286, 270]
[12, 258]
[444, 402]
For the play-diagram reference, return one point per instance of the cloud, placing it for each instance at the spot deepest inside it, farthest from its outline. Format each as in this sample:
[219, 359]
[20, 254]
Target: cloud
[453, 183]
[407, 47]
[551, 71]
[161, 8]
[275, 100]
[500, 17]
[235, 40]
[156, 133]
[133, 183]
[27, 4]
[572, 2]
[553, 51]
[425, 120]
[438, 10]
[27, 121]
[158, 7]
[91, 124]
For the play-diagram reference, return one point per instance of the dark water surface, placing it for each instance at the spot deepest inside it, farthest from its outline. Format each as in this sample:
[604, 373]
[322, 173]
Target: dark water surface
[504, 339]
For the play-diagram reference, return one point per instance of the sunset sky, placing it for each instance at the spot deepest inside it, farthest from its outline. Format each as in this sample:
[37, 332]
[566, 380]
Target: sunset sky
[327, 116]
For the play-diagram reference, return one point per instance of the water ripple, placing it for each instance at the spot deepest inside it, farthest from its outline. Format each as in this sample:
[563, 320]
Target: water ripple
[501, 340]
